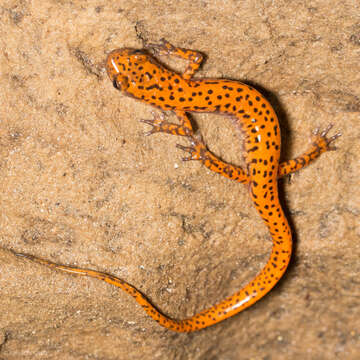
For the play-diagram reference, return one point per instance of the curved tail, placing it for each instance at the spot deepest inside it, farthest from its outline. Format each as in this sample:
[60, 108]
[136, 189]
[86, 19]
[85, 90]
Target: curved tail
[248, 295]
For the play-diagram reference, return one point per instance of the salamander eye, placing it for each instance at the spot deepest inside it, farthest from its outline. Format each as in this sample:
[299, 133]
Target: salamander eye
[120, 82]
[115, 84]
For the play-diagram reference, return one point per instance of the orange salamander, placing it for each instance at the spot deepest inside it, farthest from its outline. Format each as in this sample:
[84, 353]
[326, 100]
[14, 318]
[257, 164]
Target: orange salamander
[137, 74]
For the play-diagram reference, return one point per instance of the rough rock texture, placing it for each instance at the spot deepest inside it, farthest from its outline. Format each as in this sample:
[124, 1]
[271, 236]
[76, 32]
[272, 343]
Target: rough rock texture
[81, 185]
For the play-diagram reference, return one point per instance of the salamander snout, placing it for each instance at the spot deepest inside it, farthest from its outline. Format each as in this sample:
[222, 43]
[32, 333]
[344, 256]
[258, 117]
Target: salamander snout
[121, 61]
[115, 63]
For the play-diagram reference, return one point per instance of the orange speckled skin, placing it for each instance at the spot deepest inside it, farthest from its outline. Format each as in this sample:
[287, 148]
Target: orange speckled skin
[138, 74]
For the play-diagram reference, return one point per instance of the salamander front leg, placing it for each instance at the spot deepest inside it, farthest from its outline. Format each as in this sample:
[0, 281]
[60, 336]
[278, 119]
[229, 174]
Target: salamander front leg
[195, 58]
[159, 124]
[197, 150]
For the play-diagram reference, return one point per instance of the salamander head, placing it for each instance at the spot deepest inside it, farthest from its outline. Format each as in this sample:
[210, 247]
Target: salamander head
[122, 66]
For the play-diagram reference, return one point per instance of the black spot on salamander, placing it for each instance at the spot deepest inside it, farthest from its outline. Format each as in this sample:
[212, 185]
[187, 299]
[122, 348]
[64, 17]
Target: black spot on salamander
[155, 86]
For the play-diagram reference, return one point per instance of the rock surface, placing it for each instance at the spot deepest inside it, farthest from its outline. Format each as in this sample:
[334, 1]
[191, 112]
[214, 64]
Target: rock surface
[81, 185]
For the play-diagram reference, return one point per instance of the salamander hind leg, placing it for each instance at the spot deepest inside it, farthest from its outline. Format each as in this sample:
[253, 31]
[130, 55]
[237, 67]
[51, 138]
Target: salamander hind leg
[199, 151]
[320, 144]
[195, 58]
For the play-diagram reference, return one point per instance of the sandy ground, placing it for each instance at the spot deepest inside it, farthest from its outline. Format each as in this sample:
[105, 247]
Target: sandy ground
[80, 184]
